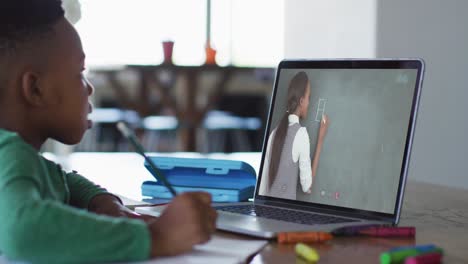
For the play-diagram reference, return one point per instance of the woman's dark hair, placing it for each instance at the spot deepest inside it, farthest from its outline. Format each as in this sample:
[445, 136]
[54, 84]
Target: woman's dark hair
[296, 90]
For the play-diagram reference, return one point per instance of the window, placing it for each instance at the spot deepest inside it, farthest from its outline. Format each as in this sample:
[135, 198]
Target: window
[244, 33]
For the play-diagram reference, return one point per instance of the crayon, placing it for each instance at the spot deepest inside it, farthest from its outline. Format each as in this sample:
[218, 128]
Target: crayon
[389, 231]
[423, 248]
[396, 257]
[307, 237]
[351, 230]
[306, 252]
[429, 258]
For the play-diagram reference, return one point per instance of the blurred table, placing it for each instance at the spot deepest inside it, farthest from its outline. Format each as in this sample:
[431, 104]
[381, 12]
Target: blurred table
[164, 77]
[440, 214]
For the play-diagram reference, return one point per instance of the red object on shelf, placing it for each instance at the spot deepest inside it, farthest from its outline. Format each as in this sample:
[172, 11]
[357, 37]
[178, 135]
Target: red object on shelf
[168, 47]
[210, 55]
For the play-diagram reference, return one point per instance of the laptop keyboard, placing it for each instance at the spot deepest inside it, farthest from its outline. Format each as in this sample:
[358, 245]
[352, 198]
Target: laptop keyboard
[283, 214]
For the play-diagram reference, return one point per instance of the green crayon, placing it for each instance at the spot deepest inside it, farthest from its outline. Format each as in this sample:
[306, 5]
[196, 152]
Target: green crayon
[396, 257]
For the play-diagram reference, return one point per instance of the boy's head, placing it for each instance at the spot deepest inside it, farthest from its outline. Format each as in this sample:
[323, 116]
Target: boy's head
[43, 93]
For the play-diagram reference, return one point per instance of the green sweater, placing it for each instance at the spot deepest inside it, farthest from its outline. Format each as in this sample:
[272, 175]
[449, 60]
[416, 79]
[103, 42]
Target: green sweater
[43, 216]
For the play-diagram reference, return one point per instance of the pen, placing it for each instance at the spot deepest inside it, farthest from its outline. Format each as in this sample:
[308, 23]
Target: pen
[307, 237]
[139, 149]
[149, 205]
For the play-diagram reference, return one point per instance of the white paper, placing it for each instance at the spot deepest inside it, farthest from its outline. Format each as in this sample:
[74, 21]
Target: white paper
[217, 250]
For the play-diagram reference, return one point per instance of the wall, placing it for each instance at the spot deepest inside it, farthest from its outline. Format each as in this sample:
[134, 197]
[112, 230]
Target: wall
[431, 29]
[332, 28]
[437, 32]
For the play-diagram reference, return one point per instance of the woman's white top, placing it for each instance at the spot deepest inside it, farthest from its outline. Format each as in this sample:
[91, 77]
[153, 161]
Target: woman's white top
[300, 152]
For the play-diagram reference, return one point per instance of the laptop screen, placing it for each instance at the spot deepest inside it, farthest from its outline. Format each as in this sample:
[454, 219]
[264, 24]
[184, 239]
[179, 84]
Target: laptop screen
[339, 132]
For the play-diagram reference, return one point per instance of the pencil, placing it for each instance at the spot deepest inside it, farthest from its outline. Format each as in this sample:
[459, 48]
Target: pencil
[159, 175]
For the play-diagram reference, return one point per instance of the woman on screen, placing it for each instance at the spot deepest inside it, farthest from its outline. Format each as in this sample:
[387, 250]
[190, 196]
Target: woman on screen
[288, 149]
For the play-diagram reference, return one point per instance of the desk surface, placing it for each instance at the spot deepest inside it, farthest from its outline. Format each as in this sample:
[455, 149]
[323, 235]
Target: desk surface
[439, 213]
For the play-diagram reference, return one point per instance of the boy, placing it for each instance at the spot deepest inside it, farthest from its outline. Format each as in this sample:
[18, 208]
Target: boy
[48, 215]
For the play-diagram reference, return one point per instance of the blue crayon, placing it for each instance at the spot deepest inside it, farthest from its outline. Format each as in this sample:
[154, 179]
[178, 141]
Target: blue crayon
[421, 248]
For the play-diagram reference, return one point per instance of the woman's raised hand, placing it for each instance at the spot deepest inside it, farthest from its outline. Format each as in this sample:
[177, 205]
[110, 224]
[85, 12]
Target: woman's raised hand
[324, 123]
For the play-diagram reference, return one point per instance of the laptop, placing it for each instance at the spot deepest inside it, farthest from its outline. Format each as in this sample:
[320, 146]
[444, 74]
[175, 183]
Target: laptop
[341, 158]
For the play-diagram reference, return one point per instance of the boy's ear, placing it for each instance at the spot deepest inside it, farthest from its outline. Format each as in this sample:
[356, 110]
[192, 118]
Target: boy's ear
[32, 92]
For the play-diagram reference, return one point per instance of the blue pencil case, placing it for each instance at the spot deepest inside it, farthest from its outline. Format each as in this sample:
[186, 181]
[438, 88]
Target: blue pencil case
[225, 180]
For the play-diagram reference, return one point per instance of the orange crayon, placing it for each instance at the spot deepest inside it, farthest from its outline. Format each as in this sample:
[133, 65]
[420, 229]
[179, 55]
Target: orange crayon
[306, 237]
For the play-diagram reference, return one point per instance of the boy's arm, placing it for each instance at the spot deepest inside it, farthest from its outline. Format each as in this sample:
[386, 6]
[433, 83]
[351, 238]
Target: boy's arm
[324, 123]
[302, 144]
[45, 231]
[82, 190]
[86, 194]
[189, 216]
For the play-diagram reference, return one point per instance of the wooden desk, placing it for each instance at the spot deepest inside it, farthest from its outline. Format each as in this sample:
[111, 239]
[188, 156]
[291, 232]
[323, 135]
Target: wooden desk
[163, 78]
[440, 214]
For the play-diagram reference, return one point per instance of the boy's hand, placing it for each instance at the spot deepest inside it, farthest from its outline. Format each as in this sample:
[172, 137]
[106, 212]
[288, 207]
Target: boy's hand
[106, 204]
[188, 220]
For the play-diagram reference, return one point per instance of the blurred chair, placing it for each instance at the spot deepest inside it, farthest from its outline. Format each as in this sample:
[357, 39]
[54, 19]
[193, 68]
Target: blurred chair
[236, 125]
[160, 133]
[104, 136]
[226, 132]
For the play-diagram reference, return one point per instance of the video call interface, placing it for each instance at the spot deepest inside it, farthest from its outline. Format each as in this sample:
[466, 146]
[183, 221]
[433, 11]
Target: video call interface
[362, 149]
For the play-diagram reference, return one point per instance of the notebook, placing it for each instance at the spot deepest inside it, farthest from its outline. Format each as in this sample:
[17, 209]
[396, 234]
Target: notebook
[336, 148]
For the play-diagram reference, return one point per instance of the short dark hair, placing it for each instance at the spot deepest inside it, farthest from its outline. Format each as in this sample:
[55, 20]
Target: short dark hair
[22, 22]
